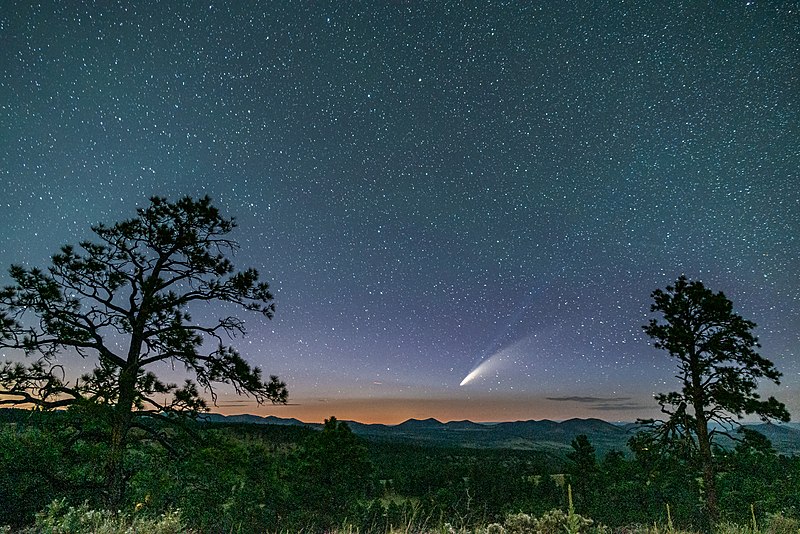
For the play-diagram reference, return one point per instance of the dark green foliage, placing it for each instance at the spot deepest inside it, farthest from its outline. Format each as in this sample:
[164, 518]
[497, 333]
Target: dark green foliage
[227, 485]
[26, 480]
[664, 476]
[467, 486]
[332, 476]
[267, 478]
[753, 474]
[621, 485]
[583, 472]
[42, 457]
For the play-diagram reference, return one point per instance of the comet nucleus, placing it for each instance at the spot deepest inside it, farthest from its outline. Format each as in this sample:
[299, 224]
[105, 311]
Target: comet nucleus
[467, 379]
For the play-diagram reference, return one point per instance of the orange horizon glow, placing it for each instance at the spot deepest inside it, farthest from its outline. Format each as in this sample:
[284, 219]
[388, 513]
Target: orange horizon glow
[479, 408]
[392, 411]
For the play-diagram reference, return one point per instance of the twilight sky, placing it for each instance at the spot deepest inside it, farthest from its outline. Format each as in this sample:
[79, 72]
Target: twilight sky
[429, 185]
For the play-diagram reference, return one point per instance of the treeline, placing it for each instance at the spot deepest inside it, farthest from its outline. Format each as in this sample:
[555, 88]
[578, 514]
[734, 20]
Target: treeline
[259, 478]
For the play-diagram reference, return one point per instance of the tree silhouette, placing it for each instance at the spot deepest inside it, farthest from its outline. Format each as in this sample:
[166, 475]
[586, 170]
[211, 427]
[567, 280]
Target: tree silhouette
[718, 368]
[333, 474]
[124, 303]
[583, 471]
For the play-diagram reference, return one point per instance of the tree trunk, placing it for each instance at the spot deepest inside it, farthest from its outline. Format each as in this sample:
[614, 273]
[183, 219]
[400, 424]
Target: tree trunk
[709, 472]
[704, 445]
[121, 417]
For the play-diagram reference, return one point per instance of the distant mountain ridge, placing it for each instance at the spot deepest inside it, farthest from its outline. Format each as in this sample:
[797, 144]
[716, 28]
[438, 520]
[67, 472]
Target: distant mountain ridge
[544, 435]
[529, 435]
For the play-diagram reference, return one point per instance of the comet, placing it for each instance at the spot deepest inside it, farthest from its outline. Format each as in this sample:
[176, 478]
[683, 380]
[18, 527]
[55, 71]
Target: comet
[475, 372]
[508, 354]
[484, 367]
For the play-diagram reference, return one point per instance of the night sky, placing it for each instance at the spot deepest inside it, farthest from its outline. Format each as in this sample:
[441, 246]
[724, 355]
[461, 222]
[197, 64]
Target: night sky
[431, 186]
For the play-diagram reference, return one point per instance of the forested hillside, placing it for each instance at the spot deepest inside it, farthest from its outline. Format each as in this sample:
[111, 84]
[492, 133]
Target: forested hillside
[241, 477]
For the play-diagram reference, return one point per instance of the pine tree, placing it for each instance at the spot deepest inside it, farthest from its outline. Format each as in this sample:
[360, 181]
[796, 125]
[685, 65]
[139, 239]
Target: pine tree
[123, 303]
[718, 369]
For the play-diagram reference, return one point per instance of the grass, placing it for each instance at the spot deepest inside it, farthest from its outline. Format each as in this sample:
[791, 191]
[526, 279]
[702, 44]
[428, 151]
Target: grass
[58, 518]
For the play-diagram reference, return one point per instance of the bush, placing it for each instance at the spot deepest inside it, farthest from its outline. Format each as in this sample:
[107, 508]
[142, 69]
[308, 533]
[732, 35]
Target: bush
[775, 524]
[552, 522]
[520, 524]
[58, 518]
[780, 524]
[727, 527]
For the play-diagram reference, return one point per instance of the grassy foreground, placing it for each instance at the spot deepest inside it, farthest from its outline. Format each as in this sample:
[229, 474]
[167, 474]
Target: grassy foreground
[58, 518]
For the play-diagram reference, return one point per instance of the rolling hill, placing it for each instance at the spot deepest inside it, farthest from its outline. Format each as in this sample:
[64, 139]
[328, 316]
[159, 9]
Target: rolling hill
[544, 435]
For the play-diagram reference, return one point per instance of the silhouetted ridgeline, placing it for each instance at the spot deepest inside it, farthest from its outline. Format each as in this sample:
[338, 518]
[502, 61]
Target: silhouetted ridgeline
[526, 435]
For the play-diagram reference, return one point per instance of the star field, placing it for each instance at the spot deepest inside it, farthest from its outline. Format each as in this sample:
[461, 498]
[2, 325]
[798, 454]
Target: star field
[429, 185]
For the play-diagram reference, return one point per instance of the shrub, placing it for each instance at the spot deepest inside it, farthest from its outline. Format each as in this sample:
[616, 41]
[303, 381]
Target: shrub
[726, 527]
[58, 518]
[520, 524]
[552, 522]
[775, 524]
[780, 524]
